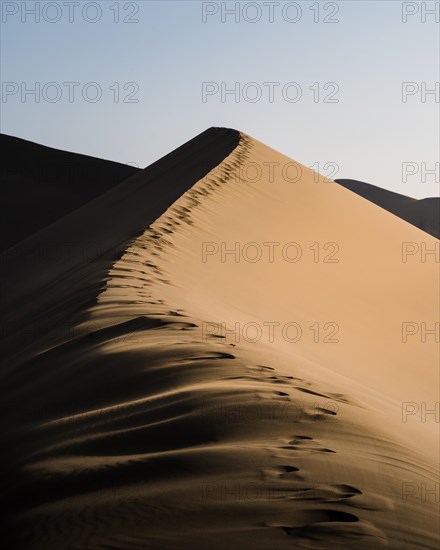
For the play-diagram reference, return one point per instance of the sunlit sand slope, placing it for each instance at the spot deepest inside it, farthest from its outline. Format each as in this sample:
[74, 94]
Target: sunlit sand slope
[423, 213]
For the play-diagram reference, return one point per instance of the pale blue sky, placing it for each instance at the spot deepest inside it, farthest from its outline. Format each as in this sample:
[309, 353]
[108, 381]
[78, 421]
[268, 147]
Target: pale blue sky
[368, 132]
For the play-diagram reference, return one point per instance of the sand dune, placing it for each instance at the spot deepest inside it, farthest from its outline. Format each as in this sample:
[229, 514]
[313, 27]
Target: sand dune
[423, 213]
[42, 184]
[244, 362]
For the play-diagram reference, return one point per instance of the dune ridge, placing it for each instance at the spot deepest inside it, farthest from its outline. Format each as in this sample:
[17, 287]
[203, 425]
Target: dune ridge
[146, 426]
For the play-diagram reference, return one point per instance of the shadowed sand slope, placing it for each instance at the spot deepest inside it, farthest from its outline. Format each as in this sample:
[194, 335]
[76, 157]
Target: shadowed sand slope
[423, 213]
[69, 261]
[235, 375]
[41, 185]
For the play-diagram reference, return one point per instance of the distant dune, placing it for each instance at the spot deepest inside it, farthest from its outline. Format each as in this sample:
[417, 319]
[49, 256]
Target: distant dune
[423, 213]
[201, 358]
[41, 185]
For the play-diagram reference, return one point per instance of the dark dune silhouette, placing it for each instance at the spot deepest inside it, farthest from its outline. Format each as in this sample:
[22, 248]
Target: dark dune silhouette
[423, 213]
[41, 185]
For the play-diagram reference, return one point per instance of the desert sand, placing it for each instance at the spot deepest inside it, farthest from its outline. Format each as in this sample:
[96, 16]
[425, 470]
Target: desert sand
[423, 213]
[225, 350]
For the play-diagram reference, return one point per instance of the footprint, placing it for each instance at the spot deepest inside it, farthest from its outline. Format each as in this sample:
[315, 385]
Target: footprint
[280, 379]
[307, 390]
[306, 444]
[273, 395]
[330, 529]
[321, 414]
[288, 469]
[316, 522]
[283, 473]
[331, 492]
[304, 519]
[208, 356]
[340, 397]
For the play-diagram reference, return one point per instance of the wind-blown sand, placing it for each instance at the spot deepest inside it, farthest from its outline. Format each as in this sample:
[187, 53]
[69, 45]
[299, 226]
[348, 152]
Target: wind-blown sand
[134, 418]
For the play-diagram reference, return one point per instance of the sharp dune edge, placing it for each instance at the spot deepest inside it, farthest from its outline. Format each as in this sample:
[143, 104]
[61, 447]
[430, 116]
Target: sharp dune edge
[144, 427]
